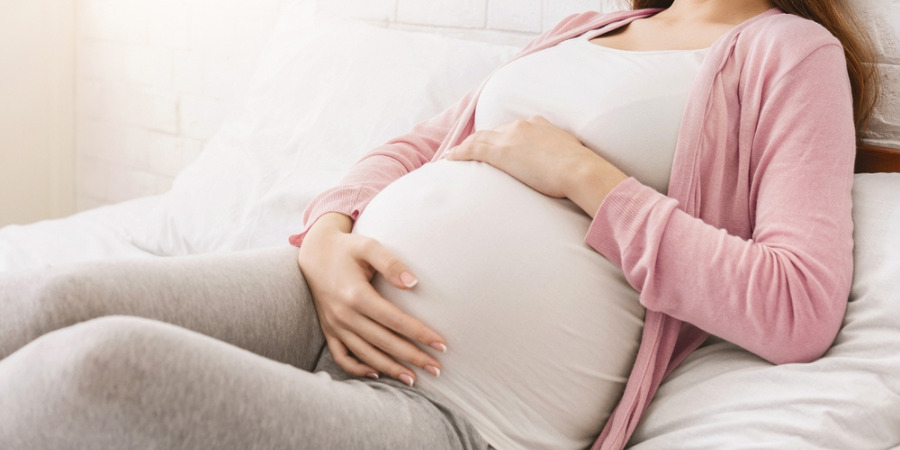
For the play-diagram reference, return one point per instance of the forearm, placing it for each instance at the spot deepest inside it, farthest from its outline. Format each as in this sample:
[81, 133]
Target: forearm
[782, 298]
[757, 248]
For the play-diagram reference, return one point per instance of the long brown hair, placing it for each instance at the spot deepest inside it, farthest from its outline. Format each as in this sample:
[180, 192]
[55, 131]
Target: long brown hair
[843, 23]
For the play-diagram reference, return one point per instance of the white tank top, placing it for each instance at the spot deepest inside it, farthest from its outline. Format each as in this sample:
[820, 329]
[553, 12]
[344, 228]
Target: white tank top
[542, 330]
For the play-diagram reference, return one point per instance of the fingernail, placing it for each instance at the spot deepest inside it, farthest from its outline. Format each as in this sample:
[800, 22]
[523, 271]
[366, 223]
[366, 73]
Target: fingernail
[372, 375]
[433, 370]
[406, 379]
[439, 347]
[408, 280]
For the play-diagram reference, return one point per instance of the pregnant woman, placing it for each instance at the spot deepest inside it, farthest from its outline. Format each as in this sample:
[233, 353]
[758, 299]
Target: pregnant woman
[521, 271]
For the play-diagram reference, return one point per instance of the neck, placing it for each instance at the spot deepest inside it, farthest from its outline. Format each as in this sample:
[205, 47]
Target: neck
[715, 11]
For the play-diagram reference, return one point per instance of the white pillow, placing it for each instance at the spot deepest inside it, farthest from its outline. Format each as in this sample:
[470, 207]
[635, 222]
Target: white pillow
[724, 397]
[325, 92]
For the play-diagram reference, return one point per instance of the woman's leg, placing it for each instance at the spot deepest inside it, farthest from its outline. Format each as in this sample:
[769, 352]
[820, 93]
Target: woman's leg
[125, 382]
[256, 300]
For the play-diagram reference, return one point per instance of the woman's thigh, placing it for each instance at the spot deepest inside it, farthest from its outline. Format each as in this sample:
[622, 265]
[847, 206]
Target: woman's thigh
[256, 300]
[125, 382]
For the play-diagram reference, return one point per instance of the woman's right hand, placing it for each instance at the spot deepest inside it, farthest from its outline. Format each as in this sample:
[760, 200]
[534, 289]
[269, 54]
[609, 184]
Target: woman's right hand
[366, 333]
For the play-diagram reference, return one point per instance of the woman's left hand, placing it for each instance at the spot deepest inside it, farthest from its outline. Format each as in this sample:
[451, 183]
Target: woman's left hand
[544, 157]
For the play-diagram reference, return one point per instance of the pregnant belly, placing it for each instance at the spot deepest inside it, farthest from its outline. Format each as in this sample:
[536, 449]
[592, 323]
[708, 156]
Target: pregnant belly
[542, 330]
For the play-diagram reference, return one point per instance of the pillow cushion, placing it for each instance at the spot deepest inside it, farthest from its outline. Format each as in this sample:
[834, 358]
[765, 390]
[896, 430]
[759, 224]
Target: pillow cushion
[325, 92]
[725, 397]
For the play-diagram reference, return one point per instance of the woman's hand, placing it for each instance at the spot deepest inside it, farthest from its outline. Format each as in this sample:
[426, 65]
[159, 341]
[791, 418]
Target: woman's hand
[546, 158]
[366, 333]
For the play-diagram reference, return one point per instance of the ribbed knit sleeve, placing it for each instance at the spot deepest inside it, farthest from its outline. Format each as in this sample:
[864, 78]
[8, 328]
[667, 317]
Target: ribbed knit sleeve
[780, 293]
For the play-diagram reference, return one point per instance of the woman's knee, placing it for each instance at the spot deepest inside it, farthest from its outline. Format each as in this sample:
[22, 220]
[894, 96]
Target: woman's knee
[88, 378]
[66, 296]
[95, 361]
[39, 302]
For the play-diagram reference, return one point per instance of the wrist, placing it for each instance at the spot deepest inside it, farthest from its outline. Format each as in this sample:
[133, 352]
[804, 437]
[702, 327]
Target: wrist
[592, 181]
[331, 222]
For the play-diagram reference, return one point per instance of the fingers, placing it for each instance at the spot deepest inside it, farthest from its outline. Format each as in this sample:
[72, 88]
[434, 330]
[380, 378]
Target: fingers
[393, 318]
[540, 120]
[386, 327]
[385, 312]
[491, 146]
[346, 361]
[377, 333]
[377, 347]
[484, 145]
[364, 350]
[384, 262]
[479, 146]
[366, 333]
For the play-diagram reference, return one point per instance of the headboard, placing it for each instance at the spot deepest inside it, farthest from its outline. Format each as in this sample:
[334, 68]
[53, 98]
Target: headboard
[870, 158]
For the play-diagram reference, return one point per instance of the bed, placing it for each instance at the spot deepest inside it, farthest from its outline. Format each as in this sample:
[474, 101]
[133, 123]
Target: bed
[283, 144]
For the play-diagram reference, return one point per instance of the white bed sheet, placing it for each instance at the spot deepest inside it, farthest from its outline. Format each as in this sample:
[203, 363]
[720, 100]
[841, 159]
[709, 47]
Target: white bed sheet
[105, 232]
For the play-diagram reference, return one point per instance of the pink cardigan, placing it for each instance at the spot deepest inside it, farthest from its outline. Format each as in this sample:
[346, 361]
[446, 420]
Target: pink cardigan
[753, 242]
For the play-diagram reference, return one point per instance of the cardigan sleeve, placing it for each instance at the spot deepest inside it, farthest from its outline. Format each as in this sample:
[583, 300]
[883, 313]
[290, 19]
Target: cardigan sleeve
[782, 292]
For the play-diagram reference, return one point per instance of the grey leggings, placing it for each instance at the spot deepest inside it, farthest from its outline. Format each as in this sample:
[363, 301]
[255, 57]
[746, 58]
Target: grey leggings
[192, 352]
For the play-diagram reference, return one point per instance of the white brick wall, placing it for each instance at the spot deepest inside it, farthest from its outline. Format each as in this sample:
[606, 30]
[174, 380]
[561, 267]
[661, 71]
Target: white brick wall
[155, 77]
[885, 19]
[153, 81]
